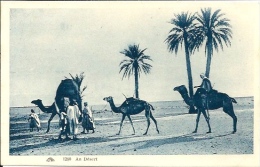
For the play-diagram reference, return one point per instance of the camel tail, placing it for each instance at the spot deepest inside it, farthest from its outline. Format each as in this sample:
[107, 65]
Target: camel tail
[151, 106]
[233, 100]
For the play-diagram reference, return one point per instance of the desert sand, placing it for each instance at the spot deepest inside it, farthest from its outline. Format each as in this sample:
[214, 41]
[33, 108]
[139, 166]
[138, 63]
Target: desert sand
[175, 137]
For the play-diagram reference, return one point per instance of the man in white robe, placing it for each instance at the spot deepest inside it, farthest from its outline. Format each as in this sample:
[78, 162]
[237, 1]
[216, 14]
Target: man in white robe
[73, 114]
[34, 121]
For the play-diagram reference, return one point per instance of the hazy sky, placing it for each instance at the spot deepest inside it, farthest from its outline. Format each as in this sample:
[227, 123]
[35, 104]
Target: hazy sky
[47, 44]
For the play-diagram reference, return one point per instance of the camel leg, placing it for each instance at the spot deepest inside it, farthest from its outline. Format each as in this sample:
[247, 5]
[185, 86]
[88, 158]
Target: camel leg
[155, 122]
[230, 112]
[121, 123]
[207, 119]
[59, 138]
[147, 115]
[197, 121]
[234, 124]
[49, 122]
[131, 123]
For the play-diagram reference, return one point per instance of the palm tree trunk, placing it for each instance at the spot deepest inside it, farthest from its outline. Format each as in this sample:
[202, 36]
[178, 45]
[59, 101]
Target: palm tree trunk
[209, 56]
[136, 82]
[188, 65]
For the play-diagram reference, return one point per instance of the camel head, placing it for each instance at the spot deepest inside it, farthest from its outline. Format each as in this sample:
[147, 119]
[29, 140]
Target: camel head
[184, 93]
[181, 89]
[108, 99]
[36, 102]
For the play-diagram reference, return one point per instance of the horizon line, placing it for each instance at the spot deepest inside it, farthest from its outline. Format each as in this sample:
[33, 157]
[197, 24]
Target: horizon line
[117, 104]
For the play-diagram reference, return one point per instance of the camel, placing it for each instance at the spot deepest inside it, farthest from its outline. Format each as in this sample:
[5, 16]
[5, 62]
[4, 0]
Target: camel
[214, 101]
[51, 109]
[67, 88]
[132, 107]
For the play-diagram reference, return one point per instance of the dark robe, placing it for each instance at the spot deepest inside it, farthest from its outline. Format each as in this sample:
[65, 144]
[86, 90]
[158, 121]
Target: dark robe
[206, 84]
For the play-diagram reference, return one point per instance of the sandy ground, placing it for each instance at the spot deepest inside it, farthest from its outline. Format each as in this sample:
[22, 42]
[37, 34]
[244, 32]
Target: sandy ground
[175, 137]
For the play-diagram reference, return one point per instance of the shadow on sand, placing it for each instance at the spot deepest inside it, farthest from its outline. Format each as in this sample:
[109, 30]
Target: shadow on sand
[55, 141]
[179, 139]
[92, 140]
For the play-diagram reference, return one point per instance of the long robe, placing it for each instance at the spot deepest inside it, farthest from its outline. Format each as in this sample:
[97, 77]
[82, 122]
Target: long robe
[73, 114]
[34, 121]
[206, 84]
[88, 120]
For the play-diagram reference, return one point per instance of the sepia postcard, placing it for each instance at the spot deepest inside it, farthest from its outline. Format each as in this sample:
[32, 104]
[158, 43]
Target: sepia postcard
[130, 83]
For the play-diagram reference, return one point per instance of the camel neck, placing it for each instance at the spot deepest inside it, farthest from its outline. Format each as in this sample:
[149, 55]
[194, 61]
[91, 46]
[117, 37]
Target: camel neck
[43, 108]
[186, 98]
[113, 107]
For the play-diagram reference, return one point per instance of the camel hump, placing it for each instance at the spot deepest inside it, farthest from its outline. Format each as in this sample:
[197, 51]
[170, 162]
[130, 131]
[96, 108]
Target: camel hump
[68, 88]
[130, 100]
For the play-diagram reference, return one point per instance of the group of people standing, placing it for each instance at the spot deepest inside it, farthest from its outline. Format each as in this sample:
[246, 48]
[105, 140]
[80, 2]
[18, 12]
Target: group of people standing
[70, 118]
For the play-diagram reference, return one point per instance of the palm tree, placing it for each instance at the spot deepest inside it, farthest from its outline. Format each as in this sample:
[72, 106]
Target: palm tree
[182, 33]
[215, 30]
[135, 64]
[78, 80]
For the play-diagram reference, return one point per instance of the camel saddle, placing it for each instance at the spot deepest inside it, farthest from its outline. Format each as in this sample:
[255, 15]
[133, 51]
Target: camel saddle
[130, 100]
[206, 97]
[211, 94]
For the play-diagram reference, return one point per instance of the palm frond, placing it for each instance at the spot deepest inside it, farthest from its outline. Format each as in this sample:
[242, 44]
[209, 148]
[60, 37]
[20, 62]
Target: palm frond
[214, 26]
[127, 70]
[215, 44]
[223, 23]
[218, 38]
[226, 31]
[183, 25]
[175, 30]
[144, 57]
[215, 17]
[136, 60]
[125, 66]
[196, 38]
[83, 89]
[174, 41]
[78, 79]
[225, 39]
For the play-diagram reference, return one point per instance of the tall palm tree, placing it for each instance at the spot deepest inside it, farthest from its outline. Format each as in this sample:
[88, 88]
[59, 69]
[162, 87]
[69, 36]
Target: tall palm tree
[182, 33]
[135, 64]
[215, 30]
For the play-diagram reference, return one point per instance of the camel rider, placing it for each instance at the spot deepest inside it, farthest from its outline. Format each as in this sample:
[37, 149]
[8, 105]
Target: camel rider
[206, 84]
